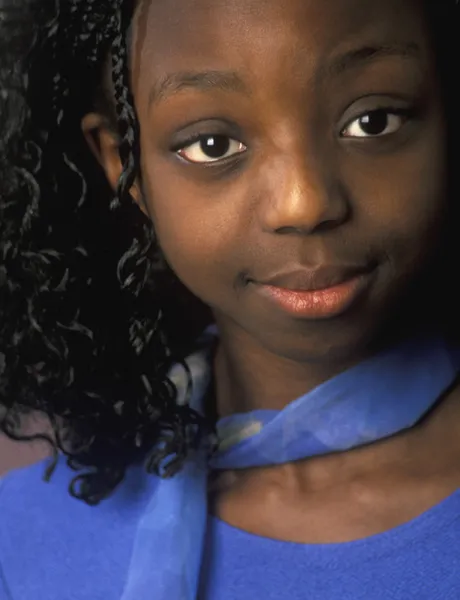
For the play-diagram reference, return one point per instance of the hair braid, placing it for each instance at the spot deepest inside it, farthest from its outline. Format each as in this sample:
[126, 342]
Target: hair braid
[124, 105]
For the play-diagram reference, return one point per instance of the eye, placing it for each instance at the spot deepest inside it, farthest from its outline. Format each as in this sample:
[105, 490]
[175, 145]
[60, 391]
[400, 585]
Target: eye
[210, 148]
[376, 123]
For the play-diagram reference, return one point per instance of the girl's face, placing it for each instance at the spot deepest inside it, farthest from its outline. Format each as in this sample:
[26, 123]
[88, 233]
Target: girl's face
[296, 142]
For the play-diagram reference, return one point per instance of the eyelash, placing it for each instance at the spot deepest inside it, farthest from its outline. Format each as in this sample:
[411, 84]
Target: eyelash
[198, 137]
[405, 113]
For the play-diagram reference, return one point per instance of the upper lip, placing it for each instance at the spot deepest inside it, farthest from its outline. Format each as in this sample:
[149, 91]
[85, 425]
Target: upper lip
[313, 279]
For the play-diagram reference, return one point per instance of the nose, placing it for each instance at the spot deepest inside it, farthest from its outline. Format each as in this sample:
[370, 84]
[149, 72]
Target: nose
[301, 195]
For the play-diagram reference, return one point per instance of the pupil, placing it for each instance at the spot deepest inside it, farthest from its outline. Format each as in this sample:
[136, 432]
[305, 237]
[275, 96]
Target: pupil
[215, 146]
[375, 122]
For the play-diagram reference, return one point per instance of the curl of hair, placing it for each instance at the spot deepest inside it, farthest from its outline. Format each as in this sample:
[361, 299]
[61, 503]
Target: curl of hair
[91, 317]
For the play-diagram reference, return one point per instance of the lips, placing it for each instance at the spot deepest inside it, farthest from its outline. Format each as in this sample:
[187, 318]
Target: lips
[319, 278]
[321, 293]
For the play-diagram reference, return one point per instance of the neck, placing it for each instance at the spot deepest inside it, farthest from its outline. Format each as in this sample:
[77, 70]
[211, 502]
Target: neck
[249, 377]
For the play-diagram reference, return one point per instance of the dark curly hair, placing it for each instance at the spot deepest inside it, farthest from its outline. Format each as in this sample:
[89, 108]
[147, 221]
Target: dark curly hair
[91, 316]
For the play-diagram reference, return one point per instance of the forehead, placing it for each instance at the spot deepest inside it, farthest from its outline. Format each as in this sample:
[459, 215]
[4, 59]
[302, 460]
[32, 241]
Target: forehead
[258, 35]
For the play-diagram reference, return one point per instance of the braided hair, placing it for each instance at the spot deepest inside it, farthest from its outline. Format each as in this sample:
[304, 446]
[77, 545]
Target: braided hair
[91, 317]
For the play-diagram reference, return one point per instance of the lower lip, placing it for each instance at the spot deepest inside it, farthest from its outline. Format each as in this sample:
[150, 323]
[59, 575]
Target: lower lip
[317, 304]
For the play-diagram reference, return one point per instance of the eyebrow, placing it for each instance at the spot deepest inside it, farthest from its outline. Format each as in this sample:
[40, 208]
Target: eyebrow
[368, 54]
[172, 83]
[230, 81]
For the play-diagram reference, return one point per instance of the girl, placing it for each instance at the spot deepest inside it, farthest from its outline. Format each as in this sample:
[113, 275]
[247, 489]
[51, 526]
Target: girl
[247, 351]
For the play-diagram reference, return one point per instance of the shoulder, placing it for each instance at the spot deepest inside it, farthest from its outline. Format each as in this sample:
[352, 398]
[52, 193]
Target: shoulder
[26, 489]
[42, 525]
[27, 500]
[17, 480]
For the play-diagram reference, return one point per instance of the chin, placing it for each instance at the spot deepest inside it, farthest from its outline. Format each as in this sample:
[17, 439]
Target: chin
[340, 340]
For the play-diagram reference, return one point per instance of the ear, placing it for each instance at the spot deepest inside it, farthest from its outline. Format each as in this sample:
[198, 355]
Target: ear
[103, 143]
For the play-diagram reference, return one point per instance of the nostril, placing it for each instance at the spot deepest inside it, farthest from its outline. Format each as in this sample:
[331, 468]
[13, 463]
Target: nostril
[325, 226]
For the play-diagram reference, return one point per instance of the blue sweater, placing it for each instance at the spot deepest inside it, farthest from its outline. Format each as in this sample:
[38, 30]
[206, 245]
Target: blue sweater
[53, 547]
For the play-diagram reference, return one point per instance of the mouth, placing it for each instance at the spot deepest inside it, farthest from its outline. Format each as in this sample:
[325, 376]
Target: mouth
[320, 293]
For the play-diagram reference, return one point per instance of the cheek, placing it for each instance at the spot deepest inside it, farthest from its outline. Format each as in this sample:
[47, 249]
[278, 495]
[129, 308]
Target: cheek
[198, 234]
[406, 203]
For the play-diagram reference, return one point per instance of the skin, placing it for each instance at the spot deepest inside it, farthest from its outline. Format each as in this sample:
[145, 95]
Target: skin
[298, 192]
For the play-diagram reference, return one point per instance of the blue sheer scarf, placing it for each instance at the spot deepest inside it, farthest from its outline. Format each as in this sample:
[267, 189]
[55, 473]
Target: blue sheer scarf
[378, 398]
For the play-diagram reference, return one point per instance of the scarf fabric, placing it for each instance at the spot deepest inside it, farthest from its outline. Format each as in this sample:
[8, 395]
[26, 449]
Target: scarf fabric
[378, 398]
